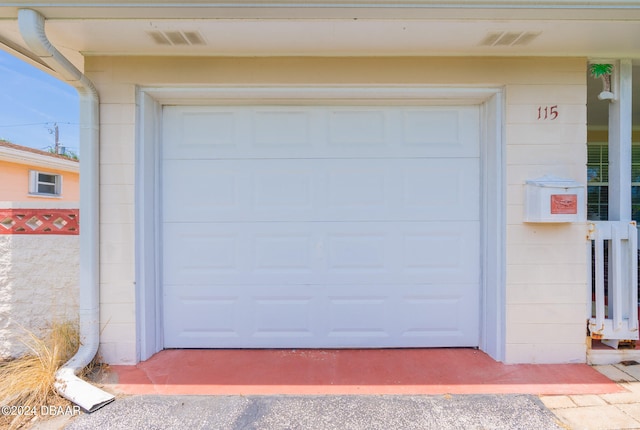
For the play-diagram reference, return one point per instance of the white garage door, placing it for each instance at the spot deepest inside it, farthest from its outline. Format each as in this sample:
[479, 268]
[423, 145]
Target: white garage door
[317, 226]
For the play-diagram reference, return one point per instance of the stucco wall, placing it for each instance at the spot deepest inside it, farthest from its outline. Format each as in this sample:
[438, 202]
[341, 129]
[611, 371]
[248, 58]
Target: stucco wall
[38, 285]
[545, 264]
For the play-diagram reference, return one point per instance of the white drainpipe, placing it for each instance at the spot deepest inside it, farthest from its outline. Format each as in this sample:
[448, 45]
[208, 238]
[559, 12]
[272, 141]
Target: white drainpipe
[85, 395]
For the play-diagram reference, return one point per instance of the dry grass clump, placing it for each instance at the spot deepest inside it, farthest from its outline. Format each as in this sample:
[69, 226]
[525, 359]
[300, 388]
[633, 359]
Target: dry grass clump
[27, 382]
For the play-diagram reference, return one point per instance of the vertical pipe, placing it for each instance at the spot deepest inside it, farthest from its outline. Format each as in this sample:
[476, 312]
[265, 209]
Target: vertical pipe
[90, 398]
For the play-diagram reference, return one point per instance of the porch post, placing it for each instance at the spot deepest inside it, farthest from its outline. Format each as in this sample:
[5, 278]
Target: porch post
[620, 143]
[622, 260]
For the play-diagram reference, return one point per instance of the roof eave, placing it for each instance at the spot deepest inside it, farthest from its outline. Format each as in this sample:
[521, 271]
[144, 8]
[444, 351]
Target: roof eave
[12, 155]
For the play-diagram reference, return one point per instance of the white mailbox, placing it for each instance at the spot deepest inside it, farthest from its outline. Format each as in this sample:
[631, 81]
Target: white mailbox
[554, 199]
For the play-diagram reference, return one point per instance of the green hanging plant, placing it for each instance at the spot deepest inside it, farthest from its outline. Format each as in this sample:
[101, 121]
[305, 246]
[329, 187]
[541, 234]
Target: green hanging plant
[598, 70]
[603, 71]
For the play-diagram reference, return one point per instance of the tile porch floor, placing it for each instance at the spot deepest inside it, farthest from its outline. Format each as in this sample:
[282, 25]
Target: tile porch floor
[581, 396]
[374, 371]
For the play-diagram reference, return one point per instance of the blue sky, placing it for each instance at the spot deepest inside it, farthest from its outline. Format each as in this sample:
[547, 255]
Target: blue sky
[31, 102]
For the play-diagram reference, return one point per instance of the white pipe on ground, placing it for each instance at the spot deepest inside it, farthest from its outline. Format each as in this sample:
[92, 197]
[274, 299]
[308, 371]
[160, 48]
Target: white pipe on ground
[83, 394]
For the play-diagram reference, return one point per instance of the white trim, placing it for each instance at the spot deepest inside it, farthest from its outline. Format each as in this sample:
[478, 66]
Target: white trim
[311, 94]
[34, 182]
[40, 204]
[45, 196]
[12, 155]
[493, 311]
[437, 4]
[148, 302]
[148, 243]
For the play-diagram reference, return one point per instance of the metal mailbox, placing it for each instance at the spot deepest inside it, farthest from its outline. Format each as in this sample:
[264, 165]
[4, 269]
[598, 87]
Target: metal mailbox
[554, 199]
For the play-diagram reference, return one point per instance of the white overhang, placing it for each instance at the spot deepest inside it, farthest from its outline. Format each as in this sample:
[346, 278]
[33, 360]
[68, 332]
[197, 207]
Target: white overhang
[340, 37]
[13, 155]
[594, 29]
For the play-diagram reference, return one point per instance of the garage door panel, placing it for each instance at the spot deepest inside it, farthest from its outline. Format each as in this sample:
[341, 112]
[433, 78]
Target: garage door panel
[319, 226]
[208, 132]
[200, 318]
[281, 317]
[280, 129]
[197, 253]
[442, 132]
[198, 130]
[428, 316]
[323, 315]
[283, 253]
[355, 253]
[319, 253]
[441, 190]
[321, 190]
[212, 191]
[358, 127]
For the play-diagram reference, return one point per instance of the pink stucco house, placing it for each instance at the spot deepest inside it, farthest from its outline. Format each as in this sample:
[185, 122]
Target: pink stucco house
[32, 175]
[39, 242]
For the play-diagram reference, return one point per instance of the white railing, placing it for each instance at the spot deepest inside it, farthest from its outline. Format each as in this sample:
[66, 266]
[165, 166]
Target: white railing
[621, 321]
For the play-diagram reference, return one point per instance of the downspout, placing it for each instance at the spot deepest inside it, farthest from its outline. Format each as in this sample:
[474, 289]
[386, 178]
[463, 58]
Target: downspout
[67, 384]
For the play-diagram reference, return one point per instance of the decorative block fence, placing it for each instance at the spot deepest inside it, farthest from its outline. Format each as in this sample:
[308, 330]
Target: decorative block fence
[39, 221]
[39, 272]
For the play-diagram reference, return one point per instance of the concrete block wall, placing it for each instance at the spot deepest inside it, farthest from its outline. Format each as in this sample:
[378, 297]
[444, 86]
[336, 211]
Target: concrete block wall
[545, 264]
[38, 285]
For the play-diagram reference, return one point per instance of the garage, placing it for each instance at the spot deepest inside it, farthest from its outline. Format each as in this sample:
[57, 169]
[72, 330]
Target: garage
[320, 226]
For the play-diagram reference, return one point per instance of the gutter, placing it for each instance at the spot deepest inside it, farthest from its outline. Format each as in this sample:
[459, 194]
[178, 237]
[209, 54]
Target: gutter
[85, 395]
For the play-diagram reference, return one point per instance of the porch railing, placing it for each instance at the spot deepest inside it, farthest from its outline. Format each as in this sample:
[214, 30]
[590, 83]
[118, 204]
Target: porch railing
[615, 317]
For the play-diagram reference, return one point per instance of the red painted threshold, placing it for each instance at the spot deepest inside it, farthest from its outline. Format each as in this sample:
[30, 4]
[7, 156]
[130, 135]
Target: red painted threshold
[375, 371]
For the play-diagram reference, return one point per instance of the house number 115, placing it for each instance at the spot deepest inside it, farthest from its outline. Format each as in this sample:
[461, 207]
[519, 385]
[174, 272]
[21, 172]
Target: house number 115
[547, 113]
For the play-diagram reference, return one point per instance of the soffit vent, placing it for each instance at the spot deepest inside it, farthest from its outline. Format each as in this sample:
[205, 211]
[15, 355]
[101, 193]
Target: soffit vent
[176, 38]
[509, 38]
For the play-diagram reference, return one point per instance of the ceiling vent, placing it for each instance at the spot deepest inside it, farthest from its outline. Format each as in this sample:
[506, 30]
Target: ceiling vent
[509, 38]
[176, 38]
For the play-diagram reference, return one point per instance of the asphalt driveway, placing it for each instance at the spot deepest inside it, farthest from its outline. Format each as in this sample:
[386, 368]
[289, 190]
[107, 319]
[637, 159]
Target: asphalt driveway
[373, 412]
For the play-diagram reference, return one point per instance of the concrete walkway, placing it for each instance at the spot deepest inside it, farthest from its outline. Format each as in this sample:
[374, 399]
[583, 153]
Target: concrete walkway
[615, 411]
